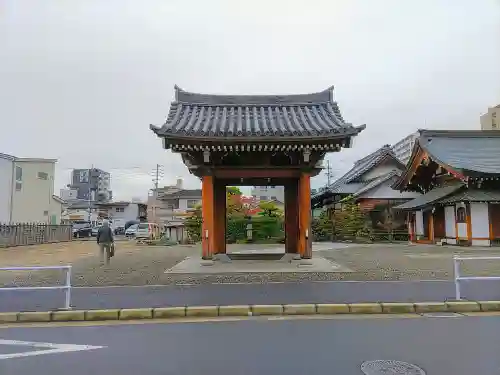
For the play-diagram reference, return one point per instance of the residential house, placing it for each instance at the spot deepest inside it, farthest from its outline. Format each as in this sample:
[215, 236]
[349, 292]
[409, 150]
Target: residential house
[171, 205]
[118, 212]
[27, 191]
[368, 182]
[458, 172]
[122, 212]
[268, 193]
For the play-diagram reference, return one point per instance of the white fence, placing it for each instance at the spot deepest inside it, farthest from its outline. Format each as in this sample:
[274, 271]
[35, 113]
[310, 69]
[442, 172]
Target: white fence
[456, 267]
[66, 287]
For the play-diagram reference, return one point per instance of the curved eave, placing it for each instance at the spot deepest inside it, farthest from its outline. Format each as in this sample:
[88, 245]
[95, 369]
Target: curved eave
[348, 132]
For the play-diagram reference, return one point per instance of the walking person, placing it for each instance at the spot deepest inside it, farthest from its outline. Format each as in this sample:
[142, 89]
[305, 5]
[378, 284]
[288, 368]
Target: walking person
[106, 241]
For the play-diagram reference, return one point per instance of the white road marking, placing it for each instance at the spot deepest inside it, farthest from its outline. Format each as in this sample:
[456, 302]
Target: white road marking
[50, 348]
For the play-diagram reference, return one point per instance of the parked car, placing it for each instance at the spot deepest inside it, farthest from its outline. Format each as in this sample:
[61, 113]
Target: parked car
[131, 231]
[82, 229]
[150, 231]
[119, 230]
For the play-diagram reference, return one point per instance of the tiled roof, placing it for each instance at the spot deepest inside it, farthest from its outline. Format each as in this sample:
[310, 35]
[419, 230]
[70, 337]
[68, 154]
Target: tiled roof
[185, 193]
[468, 151]
[348, 184]
[252, 116]
[430, 197]
[472, 195]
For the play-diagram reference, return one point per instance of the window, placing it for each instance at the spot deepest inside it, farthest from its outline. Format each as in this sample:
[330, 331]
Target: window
[120, 209]
[263, 198]
[43, 176]
[45, 213]
[19, 174]
[272, 187]
[273, 198]
[461, 215]
[84, 176]
[19, 186]
[191, 203]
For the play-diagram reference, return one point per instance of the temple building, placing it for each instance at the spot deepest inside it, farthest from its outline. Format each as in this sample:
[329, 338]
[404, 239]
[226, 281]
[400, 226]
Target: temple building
[368, 183]
[255, 140]
[458, 172]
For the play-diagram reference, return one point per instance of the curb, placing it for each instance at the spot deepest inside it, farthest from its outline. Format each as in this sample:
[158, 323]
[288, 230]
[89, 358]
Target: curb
[250, 310]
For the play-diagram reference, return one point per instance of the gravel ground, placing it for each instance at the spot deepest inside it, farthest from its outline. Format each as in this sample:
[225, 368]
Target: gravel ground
[145, 265]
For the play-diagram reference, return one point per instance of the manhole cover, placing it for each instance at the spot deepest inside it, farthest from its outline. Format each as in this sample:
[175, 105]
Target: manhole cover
[389, 367]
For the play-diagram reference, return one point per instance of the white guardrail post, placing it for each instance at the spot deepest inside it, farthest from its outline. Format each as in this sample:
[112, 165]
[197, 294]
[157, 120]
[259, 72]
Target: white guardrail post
[456, 270]
[66, 287]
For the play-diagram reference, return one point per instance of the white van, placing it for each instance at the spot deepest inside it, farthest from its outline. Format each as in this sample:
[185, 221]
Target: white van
[150, 231]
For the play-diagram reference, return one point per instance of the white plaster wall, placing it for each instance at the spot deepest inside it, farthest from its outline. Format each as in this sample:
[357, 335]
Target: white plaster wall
[380, 170]
[449, 221]
[5, 189]
[384, 191]
[419, 223]
[130, 212]
[480, 221]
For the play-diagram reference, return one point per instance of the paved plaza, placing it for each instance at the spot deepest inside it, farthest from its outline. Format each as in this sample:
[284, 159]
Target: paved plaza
[137, 265]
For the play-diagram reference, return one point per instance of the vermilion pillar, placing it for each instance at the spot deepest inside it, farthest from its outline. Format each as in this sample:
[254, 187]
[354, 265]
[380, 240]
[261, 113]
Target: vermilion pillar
[219, 237]
[305, 235]
[291, 216]
[207, 213]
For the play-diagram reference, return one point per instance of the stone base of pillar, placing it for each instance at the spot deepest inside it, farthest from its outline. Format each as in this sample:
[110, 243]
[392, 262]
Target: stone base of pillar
[290, 257]
[221, 257]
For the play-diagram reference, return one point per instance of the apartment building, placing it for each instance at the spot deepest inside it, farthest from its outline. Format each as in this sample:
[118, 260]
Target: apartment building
[269, 193]
[404, 147]
[491, 119]
[27, 191]
[93, 183]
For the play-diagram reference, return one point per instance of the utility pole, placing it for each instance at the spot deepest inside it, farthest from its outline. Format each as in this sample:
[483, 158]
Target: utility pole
[90, 193]
[157, 175]
[329, 173]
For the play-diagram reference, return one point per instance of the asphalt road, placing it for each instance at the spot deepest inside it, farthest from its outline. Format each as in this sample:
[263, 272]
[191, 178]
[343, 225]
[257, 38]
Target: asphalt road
[439, 346]
[234, 294]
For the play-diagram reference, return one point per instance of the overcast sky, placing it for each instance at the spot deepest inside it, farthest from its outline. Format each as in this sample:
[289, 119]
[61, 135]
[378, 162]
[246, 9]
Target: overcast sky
[81, 80]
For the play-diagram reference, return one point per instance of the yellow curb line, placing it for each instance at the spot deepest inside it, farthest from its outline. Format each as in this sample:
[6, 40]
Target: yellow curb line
[250, 310]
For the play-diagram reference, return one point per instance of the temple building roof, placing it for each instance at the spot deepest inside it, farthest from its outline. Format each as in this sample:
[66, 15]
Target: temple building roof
[240, 118]
[464, 153]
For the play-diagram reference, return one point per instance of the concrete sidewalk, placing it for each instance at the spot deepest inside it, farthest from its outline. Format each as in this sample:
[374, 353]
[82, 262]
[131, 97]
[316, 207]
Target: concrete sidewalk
[235, 294]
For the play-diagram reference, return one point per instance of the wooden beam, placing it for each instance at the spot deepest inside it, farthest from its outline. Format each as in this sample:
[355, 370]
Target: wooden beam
[256, 173]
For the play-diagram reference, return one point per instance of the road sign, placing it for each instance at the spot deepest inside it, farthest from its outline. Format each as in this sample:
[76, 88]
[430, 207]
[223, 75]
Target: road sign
[48, 348]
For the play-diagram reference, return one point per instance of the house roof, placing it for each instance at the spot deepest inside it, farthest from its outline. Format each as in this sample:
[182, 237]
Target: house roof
[58, 199]
[239, 117]
[349, 183]
[184, 193]
[113, 204]
[431, 197]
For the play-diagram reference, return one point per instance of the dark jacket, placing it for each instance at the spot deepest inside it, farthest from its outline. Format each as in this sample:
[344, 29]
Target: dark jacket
[105, 234]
